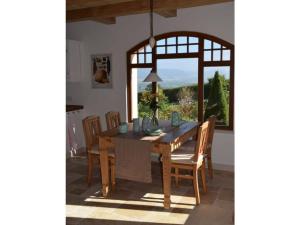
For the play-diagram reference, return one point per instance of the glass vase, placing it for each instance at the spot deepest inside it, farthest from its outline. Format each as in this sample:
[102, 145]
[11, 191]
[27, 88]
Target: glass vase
[154, 121]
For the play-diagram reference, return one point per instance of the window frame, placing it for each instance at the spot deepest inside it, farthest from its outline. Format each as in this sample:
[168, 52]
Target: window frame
[201, 65]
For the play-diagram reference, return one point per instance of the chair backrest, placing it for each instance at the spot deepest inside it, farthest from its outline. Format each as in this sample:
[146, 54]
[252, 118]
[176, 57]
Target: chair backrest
[211, 129]
[201, 141]
[92, 130]
[113, 120]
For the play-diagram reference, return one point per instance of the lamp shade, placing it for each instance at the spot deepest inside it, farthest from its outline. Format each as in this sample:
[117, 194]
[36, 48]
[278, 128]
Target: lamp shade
[152, 77]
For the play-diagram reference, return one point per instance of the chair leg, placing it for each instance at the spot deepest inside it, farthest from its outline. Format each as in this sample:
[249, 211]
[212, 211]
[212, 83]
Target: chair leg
[90, 169]
[113, 173]
[203, 178]
[210, 168]
[196, 186]
[176, 177]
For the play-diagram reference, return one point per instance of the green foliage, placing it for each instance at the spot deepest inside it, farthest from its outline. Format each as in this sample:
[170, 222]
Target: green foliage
[172, 93]
[185, 101]
[225, 85]
[165, 111]
[217, 103]
[144, 110]
[149, 102]
[147, 96]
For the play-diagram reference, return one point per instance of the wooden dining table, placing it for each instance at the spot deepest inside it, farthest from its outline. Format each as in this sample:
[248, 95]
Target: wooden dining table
[164, 145]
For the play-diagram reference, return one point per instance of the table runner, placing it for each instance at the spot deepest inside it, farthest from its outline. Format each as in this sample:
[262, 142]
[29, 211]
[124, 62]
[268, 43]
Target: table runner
[133, 154]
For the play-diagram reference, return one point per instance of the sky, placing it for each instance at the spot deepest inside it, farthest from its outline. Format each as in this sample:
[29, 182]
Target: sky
[190, 65]
[179, 72]
[187, 64]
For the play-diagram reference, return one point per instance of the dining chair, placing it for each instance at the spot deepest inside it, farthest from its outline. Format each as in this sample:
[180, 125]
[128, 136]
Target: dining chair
[113, 119]
[190, 145]
[92, 131]
[192, 161]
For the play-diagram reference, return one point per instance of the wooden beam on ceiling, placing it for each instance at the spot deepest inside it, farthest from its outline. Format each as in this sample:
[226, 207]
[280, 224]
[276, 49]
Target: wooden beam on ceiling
[109, 20]
[167, 13]
[134, 7]
[80, 4]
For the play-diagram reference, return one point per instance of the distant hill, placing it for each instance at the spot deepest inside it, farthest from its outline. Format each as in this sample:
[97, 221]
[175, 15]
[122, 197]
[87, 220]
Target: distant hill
[174, 78]
[171, 78]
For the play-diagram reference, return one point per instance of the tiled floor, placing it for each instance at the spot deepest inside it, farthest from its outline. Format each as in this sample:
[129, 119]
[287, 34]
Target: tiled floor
[141, 204]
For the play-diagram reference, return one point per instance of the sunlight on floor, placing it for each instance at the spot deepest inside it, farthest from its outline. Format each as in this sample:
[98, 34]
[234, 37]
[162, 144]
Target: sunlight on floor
[119, 214]
[178, 201]
[148, 200]
[148, 209]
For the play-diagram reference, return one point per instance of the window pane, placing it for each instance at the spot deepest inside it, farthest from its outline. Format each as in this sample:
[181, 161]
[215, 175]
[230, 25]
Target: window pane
[148, 58]
[141, 50]
[171, 41]
[193, 40]
[141, 58]
[216, 45]
[193, 48]
[161, 50]
[179, 86]
[217, 55]
[207, 44]
[134, 58]
[182, 49]
[171, 49]
[148, 48]
[182, 40]
[137, 87]
[161, 42]
[142, 73]
[226, 55]
[207, 55]
[216, 93]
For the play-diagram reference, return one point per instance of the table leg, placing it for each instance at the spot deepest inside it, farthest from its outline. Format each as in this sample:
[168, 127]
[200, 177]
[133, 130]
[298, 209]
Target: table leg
[104, 164]
[166, 160]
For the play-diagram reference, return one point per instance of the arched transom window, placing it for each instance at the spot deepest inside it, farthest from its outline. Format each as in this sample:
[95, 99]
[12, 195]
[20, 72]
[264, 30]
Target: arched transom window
[197, 72]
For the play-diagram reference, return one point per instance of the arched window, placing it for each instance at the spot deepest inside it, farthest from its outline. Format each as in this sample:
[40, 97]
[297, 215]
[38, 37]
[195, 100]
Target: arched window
[197, 71]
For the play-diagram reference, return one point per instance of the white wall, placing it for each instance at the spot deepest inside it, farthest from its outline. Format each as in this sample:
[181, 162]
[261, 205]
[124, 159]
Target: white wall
[217, 20]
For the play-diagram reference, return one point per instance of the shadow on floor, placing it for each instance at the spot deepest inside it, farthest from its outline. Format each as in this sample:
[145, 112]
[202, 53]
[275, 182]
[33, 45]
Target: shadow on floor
[78, 221]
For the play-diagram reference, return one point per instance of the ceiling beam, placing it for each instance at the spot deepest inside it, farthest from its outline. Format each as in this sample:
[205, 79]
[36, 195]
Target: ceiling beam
[79, 4]
[167, 13]
[134, 7]
[109, 20]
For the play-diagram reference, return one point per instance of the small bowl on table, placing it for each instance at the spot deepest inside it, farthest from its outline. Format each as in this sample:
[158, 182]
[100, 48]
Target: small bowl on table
[153, 132]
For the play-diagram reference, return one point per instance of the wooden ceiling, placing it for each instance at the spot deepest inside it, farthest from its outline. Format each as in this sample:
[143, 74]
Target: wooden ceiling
[106, 11]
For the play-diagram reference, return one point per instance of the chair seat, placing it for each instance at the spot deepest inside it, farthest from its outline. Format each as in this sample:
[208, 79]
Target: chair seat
[95, 150]
[184, 158]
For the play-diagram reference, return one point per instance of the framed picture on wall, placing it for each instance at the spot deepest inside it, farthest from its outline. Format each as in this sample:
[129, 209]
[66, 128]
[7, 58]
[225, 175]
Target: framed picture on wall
[101, 71]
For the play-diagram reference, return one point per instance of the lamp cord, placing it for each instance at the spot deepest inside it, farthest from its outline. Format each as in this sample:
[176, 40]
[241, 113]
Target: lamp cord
[151, 18]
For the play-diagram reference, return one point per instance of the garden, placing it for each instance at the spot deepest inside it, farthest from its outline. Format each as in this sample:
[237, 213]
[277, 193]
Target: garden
[185, 100]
